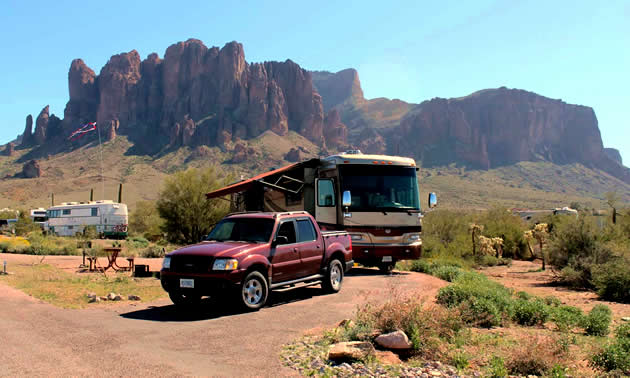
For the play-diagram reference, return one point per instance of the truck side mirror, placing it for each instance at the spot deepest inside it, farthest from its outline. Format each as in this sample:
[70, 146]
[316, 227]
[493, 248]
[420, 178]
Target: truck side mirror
[432, 200]
[280, 239]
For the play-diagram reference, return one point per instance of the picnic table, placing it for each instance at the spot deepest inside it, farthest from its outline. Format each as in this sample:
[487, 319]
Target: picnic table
[112, 255]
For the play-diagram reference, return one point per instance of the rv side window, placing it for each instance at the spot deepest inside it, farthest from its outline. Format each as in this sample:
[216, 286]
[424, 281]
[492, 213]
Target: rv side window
[95, 211]
[66, 212]
[325, 193]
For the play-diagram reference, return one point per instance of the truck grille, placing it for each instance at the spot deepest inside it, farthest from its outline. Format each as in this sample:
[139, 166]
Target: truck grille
[191, 264]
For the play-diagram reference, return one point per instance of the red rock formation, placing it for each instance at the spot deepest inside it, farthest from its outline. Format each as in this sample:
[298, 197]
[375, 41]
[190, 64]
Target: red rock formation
[372, 142]
[337, 88]
[241, 153]
[27, 136]
[41, 126]
[294, 155]
[117, 89]
[31, 169]
[613, 154]
[111, 128]
[335, 132]
[84, 96]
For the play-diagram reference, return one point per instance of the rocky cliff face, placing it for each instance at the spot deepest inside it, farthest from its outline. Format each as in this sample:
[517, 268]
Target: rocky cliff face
[613, 154]
[337, 88]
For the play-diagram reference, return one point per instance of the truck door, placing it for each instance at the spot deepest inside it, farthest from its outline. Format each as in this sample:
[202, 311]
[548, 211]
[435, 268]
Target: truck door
[286, 256]
[310, 246]
[326, 202]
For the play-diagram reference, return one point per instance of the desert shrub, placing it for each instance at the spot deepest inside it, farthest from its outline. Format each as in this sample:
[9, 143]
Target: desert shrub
[597, 322]
[476, 294]
[137, 242]
[499, 222]
[489, 260]
[536, 356]
[552, 301]
[480, 312]
[447, 272]
[523, 295]
[25, 224]
[429, 266]
[612, 280]
[154, 251]
[51, 245]
[460, 360]
[497, 367]
[623, 331]
[421, 266]
[567, 317]
[145, 220]
[530, 313]
[14, 245]
[615, 356]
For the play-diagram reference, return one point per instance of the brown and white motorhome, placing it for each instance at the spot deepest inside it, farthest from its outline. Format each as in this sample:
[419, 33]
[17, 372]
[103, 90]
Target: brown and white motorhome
[375, 198]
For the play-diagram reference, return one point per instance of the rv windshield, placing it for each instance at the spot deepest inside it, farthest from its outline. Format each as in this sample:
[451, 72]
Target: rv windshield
[242, 229]
[380, 188]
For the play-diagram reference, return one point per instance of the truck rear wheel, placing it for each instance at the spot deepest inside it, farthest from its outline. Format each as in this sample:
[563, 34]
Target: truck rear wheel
[334, 277]
[253, 291]
[184, 298]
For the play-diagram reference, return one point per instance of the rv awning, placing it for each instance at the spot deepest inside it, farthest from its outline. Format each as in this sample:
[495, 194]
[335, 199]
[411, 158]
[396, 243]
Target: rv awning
[246, 184]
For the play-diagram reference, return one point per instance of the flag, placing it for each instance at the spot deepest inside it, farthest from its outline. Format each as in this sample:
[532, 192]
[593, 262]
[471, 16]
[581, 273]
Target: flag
[82, 131]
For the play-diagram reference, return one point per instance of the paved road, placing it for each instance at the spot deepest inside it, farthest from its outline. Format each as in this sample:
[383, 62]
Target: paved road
[37, 339]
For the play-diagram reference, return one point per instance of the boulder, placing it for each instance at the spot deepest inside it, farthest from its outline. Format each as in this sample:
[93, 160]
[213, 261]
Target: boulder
[387, 357]
[350, 351]
[111, 296]
[293, 155]
[133, 297]
[394, 340]
[31, 169]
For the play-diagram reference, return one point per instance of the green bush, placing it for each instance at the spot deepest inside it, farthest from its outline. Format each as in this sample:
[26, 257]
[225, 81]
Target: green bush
[523, 295]
[497, 367]
[623, 331]
[612, 280]
[597, 322]
[567, 317]
[421, 266]
[530, 313]
[613, 357]
[480, 312]
[552, 301]
[502, 223]
[153, 251]
[447, 272]
[137, 242]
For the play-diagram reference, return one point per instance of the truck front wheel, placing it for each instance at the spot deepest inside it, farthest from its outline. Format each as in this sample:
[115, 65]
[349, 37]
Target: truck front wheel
[333, 277]
[253, 291]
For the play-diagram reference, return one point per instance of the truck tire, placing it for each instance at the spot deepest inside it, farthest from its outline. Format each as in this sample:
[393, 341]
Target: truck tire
[333, 277]
[184, 299]
[253, 292]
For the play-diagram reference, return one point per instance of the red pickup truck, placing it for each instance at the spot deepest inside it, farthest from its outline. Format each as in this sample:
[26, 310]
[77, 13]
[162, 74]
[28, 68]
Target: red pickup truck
[248, 254]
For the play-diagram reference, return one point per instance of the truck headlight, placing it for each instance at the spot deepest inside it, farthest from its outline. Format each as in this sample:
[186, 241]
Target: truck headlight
[166, 263]
[411, 238]
[225, 264]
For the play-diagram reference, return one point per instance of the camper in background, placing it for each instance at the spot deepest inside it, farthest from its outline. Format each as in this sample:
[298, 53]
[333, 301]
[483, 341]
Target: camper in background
[68, 219]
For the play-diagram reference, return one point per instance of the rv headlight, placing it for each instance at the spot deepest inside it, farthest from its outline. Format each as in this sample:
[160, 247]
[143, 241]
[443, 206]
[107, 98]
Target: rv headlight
[166, 263]
[356, 237]
[413, 237]
[225, 264]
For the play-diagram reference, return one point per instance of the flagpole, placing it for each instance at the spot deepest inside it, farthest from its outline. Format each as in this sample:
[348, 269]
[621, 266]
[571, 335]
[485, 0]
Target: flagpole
[98, 129]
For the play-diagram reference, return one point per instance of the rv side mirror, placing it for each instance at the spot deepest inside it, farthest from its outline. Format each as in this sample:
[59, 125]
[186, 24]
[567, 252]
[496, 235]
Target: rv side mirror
[432, 200]
[346, 200]
[280, 239]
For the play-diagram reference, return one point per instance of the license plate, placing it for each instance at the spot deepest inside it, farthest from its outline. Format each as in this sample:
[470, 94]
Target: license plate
[187, 283]
[387, 259]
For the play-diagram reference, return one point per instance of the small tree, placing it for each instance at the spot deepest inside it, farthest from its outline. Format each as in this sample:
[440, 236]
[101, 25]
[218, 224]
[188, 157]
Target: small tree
[145, 220]
[187, 214]
[25, 224]
[613, 199]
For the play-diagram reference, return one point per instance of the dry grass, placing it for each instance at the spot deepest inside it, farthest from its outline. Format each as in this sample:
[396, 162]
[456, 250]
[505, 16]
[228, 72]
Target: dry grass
[68, 290]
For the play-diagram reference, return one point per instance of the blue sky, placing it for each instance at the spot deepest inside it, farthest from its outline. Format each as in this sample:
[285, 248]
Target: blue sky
[578, 51]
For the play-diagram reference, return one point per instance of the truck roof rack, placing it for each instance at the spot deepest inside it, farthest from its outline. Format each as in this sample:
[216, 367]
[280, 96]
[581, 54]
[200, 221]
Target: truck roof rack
[290, 213]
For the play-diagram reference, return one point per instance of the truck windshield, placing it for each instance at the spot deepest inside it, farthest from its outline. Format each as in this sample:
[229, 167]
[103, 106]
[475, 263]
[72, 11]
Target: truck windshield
[380, 188]
[242, 229]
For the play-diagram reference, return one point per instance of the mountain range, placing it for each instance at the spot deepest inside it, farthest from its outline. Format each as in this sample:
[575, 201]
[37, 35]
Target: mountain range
[203, 99]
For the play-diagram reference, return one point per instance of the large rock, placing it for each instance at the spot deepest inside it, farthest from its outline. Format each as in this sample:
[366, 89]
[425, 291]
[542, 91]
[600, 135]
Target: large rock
[294, 155]
[394, 340]
[41, 126]
[31, 170]
[84, 96]
[27, 136]
[9, 149]
[337, 88]
[335, 132]
[350, 351]
[613, 154]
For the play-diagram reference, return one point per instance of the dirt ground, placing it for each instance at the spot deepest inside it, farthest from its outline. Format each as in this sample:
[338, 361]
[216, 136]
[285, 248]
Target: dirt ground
[127, 338]
[524, 276]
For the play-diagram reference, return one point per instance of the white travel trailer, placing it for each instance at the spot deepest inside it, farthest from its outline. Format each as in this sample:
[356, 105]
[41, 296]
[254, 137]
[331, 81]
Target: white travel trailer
[110, 218]
[39, 216]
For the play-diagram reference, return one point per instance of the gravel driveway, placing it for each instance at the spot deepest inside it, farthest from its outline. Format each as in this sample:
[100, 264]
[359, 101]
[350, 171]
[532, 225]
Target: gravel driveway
[127, 339]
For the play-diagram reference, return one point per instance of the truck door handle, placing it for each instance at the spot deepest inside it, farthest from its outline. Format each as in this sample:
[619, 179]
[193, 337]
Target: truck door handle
[317, 246]
[295, 250]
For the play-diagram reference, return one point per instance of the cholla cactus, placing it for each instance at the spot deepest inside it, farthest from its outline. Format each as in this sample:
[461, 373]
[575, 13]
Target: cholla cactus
[475, 230]
[491, 246]
[497, 244]
[540, 233]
